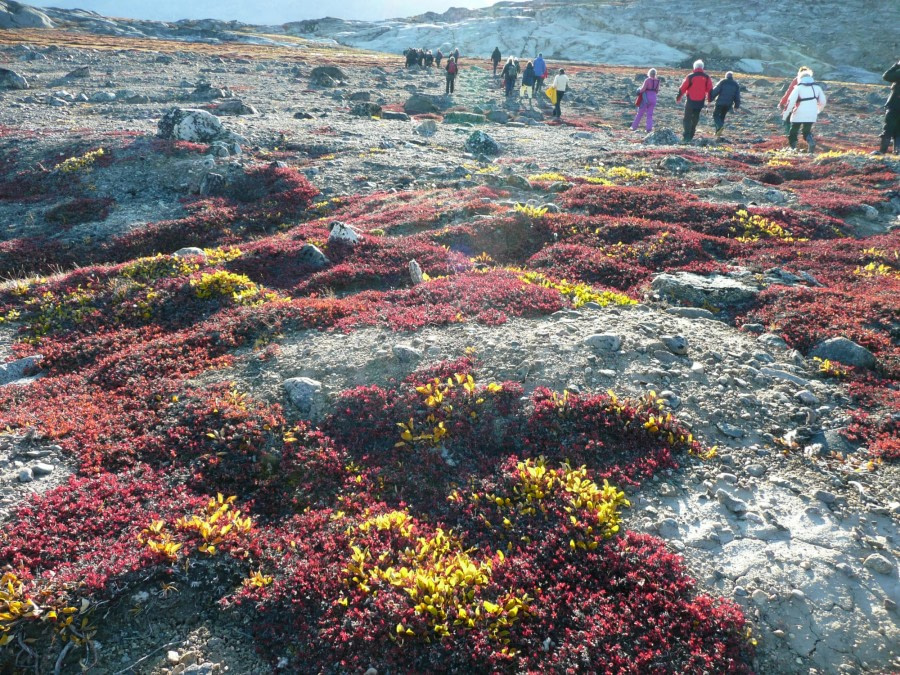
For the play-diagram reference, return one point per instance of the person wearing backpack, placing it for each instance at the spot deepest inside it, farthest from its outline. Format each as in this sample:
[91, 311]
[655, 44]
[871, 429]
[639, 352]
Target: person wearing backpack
[540, 72]
[509, 73]
[892, 111]
[495, 59]
[696, 88]
[561, 84]
[803, 108]
[528, 80]
[438, 58]
[727, 95]
[647, 95]
[452, 70]
[782, 104]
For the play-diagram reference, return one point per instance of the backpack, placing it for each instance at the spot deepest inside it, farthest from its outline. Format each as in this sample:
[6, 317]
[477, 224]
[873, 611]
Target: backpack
[657, 85]
[815, 97]
[451, 67]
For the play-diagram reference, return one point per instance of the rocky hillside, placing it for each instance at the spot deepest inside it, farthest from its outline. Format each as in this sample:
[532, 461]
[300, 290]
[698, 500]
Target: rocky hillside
[838, 39]
[306, 366]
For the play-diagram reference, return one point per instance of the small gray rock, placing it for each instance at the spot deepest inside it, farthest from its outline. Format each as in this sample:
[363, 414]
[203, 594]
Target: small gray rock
[480, 143]
[691, 312]
[42, 469]
[756, 470]
[415, 272]
[427, 128]
[26, 475]
[406, 353]
[878, 563]
[343, 233]
[189, 251]
[730, 502]
[806, 397]
[604, 342]
[824, 496]
[677, 344]
[730, 430]
[306, 394]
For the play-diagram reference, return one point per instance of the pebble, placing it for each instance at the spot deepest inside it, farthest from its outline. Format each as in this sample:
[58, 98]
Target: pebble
[172, 656]
[760, 597]
[756, 470]
[25, 475]
[825, 496]
[677, 344]
[605, 342]
[728, 478]
[406, 353]
[806, 397]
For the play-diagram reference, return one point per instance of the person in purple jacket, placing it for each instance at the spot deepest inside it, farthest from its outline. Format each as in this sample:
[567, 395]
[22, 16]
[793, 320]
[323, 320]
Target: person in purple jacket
[648, 93]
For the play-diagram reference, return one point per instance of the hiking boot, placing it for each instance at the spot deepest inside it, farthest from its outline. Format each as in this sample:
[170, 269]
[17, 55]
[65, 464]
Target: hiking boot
[719, 131]
[811, 144]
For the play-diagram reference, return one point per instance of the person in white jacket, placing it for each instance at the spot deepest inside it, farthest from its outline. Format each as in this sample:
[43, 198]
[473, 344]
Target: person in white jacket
[805, 103]
[561, 84]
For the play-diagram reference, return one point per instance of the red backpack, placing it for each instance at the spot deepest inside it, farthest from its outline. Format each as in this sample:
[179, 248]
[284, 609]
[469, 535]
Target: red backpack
[451, 67]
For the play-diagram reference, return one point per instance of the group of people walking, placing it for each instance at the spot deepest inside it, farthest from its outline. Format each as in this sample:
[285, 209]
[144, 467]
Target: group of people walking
[800, 106]
[533, 78]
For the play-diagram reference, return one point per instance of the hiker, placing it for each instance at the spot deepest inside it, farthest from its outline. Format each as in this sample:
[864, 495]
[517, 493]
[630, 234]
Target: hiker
[429, 59]
[421, 56]
[410, 55]
[727, 95]
[804, 104]
[561, 84]
[647, 93]
[456, 55]
[495, 59]
[528, 80]
[510, 74]
[892, 112]
[540, 72]
[452, 70]
[782, 104]
[438, 58]
[697, 86]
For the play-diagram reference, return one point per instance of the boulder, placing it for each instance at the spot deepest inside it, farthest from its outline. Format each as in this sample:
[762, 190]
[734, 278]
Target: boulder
[234, 106]
[427, 128]
[662, 137]
[677, 344]
[79, 73]
[406, 353]
[186, 124]
[10, 79]
[312, 256]
[321, 74]
[480, 143]
[498, 116]
[306, 395]
[366, 110]
[415, 272]
[460, 117]
[16, 15]
[844, 351]
[102, 97]
[395, 116]
[364, 96]
[419, 104]
[343, 233]
[687, 288]
[189, 252]
[16, 370]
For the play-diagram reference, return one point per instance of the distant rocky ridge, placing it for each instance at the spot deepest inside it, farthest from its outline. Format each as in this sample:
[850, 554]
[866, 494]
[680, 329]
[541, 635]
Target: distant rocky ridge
[838, 39]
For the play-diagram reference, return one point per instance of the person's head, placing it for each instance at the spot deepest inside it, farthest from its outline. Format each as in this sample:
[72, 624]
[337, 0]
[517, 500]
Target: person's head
[509, 60]
[729, 75]
[562, 71]
[651, 72]
[698, 65]
[541, 55]
[529, 65]
[806, 72]
[802, 70]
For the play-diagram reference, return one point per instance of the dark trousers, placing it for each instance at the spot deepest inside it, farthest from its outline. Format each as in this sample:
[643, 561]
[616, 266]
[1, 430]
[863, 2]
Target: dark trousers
[719, 115]
[496, 63]
[796, 128]
[510, 83]
[451, 82]
[559, 98]
[691, 118]
[538, 83]
[891, 131]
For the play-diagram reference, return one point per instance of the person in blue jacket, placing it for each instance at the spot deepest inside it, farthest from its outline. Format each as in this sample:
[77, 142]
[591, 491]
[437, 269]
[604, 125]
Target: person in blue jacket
[540, 73]
[727, 95]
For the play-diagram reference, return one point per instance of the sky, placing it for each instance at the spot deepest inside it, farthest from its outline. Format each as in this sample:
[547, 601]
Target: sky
[261, 11]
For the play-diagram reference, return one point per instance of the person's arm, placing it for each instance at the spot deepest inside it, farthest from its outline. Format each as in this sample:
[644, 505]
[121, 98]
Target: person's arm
[643, 86]
[682, 89]
[892, 74]
[791, 102]
[714, 94]
[784, 99]
[822, 100]
[709, 88]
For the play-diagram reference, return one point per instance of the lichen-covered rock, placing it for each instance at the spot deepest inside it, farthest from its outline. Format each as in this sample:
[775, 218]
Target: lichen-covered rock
[10, 79]
[186, 124]
[480, 143]
[844, 351]
[686, 288]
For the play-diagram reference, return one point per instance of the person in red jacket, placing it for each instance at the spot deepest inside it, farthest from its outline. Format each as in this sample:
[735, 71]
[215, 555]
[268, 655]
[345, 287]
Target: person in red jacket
[784, 99]
[697, 87]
